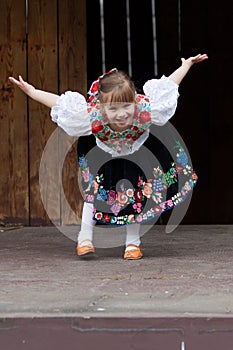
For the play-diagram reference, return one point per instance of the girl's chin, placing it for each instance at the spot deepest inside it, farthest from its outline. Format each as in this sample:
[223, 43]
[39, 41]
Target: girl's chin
[122, 123]
[122, 126]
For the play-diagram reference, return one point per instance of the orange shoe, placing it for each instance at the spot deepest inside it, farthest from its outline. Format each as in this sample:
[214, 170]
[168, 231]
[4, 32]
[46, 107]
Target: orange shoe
[85, 250]
[133, 254]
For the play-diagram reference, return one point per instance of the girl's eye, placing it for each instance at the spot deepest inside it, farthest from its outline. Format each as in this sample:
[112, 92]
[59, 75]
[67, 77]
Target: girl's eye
[112, 108]
[127, 105]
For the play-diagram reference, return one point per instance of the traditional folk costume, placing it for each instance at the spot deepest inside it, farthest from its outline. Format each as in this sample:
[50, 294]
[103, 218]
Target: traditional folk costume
[134, 175]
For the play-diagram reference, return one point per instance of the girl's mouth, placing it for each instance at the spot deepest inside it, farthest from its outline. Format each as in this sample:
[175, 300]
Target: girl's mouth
[122, 120]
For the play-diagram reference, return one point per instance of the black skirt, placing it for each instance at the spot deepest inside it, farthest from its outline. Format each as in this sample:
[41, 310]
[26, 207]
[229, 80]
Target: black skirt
[138, 187]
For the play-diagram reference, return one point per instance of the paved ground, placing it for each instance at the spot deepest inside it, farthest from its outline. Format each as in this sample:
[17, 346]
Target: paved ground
[185, 273]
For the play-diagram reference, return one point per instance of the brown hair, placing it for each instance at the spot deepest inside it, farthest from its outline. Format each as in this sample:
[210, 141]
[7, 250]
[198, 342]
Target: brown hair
[116, 87]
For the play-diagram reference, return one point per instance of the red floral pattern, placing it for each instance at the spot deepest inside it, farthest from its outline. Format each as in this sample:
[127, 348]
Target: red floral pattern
[97, 126]
[153, 189]
[115, 139]
[93, 92]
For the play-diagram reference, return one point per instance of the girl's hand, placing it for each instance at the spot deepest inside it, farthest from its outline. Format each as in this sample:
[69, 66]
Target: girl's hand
[23, 85]
[181, 72]
[196, 59]
[46, 98]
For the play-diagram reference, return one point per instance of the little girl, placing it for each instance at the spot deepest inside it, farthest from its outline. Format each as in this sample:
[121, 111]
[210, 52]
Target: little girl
[121, 184]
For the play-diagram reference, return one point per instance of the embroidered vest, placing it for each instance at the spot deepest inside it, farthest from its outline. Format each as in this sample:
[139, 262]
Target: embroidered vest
[116, 139]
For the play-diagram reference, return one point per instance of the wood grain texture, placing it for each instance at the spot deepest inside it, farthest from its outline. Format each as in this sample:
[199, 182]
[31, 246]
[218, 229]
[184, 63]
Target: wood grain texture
[93, 41]
[43, 73]
[14, 206]
[55, 56]
[72, 74]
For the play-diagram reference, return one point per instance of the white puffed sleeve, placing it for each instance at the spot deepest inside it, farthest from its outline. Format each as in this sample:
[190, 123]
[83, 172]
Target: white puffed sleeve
[163, 94]
[70, 113]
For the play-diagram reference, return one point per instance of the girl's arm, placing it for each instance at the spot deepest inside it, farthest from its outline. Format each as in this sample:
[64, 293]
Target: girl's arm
[46, 98]
[181, 72]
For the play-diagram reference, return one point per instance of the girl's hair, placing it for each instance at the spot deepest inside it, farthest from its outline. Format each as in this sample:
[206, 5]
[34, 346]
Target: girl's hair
[116, 87]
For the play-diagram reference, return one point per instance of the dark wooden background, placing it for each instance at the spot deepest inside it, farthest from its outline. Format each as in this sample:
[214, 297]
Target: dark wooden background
[59, 48]
[49, 50]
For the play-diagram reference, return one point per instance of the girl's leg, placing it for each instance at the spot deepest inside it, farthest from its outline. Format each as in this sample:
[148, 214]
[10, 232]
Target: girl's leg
[132, 236]
[87, 226]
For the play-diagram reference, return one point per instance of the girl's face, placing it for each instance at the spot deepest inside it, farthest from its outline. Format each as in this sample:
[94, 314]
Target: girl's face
[119, 114]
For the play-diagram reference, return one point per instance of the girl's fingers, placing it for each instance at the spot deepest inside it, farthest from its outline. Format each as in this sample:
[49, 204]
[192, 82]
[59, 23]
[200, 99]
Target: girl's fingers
[17, 81]
[199, 58]
[20, 83]
[13, 80]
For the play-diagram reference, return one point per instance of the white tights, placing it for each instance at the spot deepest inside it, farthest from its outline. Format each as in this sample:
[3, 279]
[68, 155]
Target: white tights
[87, 226]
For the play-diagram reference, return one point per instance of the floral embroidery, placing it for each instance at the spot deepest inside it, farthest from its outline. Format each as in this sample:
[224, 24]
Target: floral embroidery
[111, 197]
[187, 170]
[122, 198]
[97, 126]
[116, 139]
[147, 190]
[102, 195]
[137, 207]
[169, 178]
[96, 186]
[93, 92]
[90, 198]
[107, 218]
[139, 218]
[130, 192]
[82, 162]
[157, 185]
[98, 216]
[115, 208]
[113, 220]
[138, 195]
[84, 169]
[181, 156]
[89, 180]
[140, 181]
[153, 189]
[157, 197]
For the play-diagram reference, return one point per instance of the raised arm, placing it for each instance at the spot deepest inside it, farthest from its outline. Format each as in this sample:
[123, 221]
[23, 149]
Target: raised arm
[178, 75]
[46, 98]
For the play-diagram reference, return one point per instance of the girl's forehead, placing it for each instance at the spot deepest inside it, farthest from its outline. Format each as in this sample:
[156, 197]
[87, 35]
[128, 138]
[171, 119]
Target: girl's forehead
[117, 97]
[117, 104]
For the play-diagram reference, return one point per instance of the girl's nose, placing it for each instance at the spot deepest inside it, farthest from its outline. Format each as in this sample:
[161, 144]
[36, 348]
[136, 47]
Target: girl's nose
[120, 113]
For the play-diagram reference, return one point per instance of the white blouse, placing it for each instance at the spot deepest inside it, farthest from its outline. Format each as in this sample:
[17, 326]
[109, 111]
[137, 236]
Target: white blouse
[70, 112]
